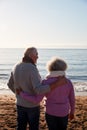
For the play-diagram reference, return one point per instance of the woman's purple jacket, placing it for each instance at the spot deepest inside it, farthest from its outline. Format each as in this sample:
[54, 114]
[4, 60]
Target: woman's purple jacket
[59, 102]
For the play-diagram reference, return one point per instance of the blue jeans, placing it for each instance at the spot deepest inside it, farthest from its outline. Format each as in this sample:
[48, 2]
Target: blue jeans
[56, 123]
[28, 115]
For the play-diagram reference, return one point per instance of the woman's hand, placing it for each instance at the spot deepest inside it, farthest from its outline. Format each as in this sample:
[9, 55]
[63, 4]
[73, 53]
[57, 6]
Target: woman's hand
[71, 116]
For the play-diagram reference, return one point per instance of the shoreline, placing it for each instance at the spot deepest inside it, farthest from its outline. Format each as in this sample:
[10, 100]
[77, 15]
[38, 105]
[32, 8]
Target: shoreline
[9, 92]
[79, 87]
[8, 114]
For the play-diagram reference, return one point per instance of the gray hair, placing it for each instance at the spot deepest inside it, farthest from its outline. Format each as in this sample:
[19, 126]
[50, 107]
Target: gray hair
[29, 51]
[56, 64]
[27, 55]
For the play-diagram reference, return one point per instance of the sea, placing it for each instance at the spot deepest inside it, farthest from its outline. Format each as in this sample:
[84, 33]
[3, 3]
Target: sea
[76, 60]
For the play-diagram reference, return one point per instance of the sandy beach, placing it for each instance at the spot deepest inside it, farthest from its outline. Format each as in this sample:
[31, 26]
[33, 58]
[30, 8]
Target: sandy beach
[8, 114]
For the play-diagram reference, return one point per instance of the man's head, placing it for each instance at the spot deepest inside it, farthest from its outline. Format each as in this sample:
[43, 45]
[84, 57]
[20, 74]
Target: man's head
[32, 54]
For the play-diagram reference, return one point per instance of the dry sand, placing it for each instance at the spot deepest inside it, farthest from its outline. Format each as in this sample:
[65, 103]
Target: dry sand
[8, 114]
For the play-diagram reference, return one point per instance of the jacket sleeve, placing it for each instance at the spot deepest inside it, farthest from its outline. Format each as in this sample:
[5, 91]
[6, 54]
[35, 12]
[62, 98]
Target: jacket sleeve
[11, 83]
[72, 99]
[31, 98]
[36, 82]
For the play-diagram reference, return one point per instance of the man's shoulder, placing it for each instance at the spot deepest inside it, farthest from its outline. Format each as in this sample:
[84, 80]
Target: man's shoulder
[24, 64]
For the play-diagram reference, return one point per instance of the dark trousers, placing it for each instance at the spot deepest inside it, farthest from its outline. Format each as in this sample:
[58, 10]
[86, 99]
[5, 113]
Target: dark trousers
[56, 123]
[28, 115]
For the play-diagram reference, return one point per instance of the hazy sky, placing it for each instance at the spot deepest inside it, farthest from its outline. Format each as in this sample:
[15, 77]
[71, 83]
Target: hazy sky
[43, 23]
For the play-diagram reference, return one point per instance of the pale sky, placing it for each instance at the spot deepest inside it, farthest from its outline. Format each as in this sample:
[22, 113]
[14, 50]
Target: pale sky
[43, 23]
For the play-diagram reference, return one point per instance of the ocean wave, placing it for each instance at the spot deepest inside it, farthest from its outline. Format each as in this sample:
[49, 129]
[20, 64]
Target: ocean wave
[80, 86]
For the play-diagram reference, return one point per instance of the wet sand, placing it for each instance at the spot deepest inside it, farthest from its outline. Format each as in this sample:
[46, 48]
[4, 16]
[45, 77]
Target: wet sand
[8, 114]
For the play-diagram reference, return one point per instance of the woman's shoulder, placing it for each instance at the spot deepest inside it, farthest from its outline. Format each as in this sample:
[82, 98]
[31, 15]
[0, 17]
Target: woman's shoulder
[69, 82]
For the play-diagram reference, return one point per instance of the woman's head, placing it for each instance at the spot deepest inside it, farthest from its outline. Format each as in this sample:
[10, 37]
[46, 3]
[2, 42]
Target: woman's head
[30, 54]
[56, 64]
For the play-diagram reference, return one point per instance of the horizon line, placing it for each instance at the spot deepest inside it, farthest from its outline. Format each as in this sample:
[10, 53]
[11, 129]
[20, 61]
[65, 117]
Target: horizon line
[38, 48]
